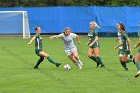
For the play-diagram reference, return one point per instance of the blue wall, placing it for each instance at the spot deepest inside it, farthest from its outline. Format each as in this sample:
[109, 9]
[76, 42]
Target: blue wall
[54, 19]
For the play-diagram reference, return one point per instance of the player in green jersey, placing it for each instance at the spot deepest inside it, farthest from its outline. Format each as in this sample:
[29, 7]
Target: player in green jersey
[120, 25]
[137, 58]
[125, 43]
[38, 48]
[93, 51]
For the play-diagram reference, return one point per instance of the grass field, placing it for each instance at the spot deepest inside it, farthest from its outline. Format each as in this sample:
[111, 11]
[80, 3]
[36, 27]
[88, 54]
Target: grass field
[18, 76]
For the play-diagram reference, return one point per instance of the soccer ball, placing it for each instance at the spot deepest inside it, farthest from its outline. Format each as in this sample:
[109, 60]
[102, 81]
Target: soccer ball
[67, 67]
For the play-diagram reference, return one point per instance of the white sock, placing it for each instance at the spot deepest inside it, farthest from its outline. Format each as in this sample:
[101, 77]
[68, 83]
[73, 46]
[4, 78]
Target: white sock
[138, 72]
[78, 64]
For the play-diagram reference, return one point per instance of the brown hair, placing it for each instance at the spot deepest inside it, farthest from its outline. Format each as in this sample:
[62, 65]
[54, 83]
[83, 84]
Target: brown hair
[35, 28]
[67, 28]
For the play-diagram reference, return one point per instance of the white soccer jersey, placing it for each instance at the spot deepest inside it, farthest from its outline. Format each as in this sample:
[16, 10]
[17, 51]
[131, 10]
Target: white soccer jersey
[68, 41]
[119, 36]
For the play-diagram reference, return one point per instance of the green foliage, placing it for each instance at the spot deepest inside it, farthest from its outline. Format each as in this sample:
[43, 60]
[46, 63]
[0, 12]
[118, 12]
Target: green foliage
[42, 3]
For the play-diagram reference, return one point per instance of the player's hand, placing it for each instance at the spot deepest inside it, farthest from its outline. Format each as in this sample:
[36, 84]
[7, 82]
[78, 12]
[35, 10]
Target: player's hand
[117, 39]
[91, 45]
[135, 46]
[51, 37]
[29, 43]
[115, 47]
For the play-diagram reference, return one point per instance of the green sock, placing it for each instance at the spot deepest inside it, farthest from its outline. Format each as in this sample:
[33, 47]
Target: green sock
[128, 60]
[99, 60]
[123, 64]
[50, 60]
[94, 59]
[138, 65]
[39, 61]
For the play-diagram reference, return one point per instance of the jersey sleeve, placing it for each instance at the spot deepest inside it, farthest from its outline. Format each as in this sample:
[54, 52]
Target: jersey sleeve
[61, 35]
[125, 35]
[95, 33]
[73, 35]
[36, 35]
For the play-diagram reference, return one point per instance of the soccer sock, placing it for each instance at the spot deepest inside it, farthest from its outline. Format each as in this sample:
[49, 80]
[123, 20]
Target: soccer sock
[138, 65]
[39, 61]
[123, 64]
[77, 64]
[94, 59]
[99, 60]
[128, 60]
[50, 60]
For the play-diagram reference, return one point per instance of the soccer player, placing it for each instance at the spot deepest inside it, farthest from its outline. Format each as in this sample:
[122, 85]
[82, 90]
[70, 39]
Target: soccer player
[119, 25]
[125, 43]
[137, 58]
[93, 51]
[69, 47]
[38, 48]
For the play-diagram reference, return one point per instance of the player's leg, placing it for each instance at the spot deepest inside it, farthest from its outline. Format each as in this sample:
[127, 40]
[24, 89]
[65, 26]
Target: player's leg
[130, 59]
[123, 61]
[73, 59]
[38, 62]
[137, 62]
[43, 54]
[75, 54]
[96, 54]
[90, 55]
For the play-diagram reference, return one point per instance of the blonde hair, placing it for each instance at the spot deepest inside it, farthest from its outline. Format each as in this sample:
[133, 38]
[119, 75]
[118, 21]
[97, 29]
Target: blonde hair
[96, 25]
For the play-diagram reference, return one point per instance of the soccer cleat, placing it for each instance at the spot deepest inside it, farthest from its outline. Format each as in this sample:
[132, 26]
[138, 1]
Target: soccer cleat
[126, 69]
[137, 75]
[131, 57]
[97, 65]
[35, 67]
[58, 64]
[80, 67]
[133, 60]
[102, 66]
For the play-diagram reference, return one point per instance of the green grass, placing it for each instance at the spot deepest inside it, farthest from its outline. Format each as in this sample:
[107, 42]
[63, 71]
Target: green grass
[18, 76]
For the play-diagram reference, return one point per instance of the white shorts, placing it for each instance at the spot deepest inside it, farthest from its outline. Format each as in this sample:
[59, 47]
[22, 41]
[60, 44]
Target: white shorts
[69, 51]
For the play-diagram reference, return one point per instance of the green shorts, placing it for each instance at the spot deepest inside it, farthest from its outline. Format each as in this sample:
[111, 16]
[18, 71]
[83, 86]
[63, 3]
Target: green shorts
[95, 45]
[124, 52]
[38, 51]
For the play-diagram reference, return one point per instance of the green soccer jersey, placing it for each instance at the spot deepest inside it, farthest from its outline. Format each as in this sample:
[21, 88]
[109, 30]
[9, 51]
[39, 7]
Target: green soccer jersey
[38, 42]
[91, 35]
[124, 37]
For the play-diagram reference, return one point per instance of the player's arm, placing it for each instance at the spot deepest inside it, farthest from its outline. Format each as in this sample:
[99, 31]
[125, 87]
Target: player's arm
[33, 38]
[96, 38]
[53, 37]
[118, 46]
[128, 42]
[117, 39]
[78, 39]
[138, 44]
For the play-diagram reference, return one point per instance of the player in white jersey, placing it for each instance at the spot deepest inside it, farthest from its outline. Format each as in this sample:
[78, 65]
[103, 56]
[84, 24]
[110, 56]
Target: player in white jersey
[69, 47]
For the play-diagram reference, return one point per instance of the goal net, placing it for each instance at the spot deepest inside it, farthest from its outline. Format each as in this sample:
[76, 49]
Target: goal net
[14, 22]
